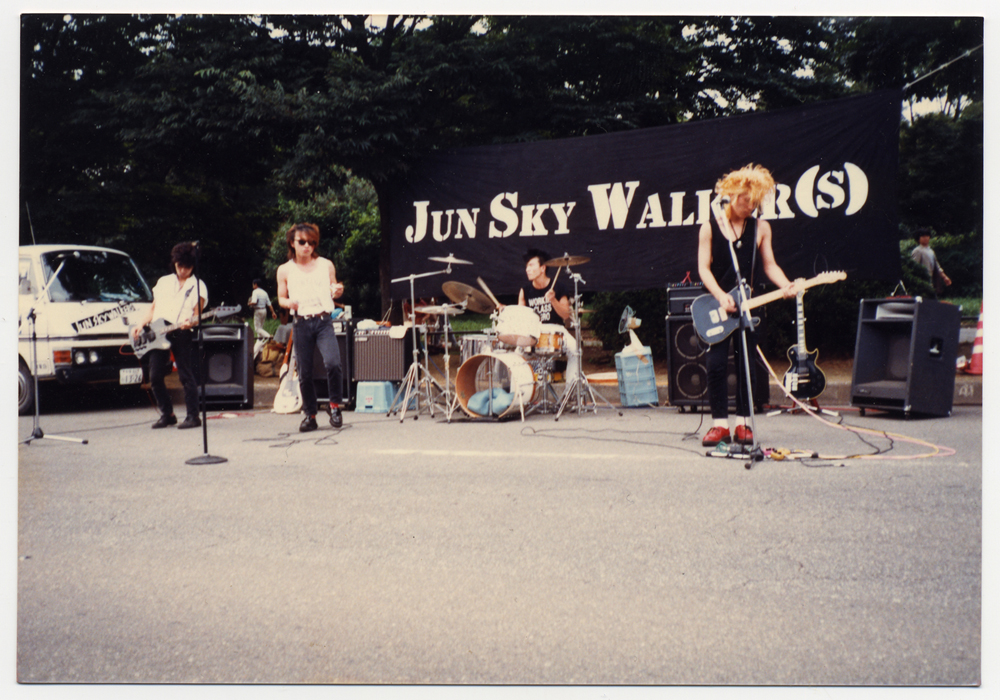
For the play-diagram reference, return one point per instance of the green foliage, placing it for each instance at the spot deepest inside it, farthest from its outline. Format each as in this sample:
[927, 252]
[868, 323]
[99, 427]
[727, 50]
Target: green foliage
[649, 305]
[349, 236]
[141, 131]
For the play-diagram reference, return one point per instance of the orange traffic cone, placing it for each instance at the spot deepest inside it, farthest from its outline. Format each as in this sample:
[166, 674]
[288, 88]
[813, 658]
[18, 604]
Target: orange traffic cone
[976, 364]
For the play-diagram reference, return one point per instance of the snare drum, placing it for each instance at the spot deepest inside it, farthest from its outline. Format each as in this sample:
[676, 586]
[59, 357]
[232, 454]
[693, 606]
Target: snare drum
[476, 344]
[518, 326]
[550, 344]
[507, 375]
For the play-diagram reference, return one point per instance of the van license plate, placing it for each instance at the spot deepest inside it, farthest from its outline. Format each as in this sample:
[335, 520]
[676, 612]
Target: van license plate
[130, 375]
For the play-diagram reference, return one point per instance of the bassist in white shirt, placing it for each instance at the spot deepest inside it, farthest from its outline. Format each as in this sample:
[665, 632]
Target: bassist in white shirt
[175, 300]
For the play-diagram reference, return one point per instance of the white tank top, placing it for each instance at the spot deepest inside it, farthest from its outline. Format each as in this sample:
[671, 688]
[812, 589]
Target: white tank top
[311, 289]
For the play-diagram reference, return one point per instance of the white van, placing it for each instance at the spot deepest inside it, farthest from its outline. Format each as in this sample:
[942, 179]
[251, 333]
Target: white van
[81, 322]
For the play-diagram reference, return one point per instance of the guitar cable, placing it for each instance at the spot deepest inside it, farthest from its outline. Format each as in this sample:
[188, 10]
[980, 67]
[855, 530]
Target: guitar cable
[933, 450]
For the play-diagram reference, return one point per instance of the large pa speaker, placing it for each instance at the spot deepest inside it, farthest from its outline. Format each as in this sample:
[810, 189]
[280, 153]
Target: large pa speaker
[904, 356]
[378, 357]
[227, 364]
[344, 344]
[687, 373]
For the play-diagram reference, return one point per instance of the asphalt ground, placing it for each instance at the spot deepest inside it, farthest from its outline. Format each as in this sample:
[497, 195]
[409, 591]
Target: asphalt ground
[599, 549]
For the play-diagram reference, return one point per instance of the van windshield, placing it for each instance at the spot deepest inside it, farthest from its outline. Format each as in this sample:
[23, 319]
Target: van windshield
[95, 275]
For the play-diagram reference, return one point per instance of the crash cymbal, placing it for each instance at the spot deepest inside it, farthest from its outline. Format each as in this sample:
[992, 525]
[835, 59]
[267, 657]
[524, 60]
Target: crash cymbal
[451, 259]
[475, 300]
[440, 310]
[566, 261]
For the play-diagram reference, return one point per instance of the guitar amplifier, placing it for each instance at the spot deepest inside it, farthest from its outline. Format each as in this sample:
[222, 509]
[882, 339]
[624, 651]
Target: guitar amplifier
[378, 357]
[679, 298]
[687, 382]
[227, 363]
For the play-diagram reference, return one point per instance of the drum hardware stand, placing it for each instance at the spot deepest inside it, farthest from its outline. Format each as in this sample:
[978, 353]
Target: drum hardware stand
[450, 402]
[417, 376]
[578, 389]
[36, 431]
[544, 405]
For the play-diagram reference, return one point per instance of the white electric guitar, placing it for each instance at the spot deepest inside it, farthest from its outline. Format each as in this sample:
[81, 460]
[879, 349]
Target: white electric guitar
[154, 335]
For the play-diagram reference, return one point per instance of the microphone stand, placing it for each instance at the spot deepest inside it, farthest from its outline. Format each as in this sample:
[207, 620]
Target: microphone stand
[36, 432]
[205, 457]
[755, 453]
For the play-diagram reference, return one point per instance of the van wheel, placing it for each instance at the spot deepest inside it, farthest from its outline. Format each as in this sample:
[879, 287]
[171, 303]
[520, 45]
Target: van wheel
[25, 389]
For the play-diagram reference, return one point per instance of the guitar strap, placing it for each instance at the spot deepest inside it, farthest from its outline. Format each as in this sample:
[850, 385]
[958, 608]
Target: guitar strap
[180, 310]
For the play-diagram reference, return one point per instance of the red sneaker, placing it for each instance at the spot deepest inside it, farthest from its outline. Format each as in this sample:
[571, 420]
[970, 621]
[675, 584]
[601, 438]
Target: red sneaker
[744, 435]
[714, 436]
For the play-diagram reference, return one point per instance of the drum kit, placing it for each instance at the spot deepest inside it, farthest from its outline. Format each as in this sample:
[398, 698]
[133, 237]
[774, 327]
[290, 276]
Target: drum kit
[501, 366]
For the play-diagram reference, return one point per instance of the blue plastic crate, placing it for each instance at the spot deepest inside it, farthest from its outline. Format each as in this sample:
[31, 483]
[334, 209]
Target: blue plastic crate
[637, 378]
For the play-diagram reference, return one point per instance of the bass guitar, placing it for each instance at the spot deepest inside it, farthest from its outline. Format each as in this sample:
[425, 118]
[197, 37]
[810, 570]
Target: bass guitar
[803, 380]
[714, 325]
[154, 335]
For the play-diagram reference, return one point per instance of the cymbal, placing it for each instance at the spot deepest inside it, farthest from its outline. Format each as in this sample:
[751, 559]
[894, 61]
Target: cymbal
[451, 259]
[566, 261]
[440, 310]
[475, 300]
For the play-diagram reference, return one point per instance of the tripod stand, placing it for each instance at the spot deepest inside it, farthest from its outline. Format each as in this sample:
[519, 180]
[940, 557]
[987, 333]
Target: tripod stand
[418, 377]
[36, 431]
[578, 390]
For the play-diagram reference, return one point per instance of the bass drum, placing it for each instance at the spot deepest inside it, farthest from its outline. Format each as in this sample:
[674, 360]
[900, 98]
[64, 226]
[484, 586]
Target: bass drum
[495, 384]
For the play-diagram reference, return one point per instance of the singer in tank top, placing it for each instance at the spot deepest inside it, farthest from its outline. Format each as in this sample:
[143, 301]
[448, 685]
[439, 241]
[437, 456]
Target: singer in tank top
[745, 189]
[307, 286]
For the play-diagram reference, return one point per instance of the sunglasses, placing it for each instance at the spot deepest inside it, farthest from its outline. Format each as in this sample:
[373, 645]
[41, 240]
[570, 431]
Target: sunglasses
[305, 242]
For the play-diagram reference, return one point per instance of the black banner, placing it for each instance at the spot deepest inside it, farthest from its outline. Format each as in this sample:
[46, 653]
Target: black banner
[633, 201]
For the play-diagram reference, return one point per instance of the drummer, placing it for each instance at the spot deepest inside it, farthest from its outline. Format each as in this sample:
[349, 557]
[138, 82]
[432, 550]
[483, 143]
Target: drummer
[543, 297]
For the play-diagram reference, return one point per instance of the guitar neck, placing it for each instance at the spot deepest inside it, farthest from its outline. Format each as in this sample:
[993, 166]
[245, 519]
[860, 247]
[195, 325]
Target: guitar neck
[777, 294]
[800, 323]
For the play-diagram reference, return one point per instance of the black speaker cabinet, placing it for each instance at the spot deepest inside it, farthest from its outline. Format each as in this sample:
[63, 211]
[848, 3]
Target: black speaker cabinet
[378, 357]
[904, 356]
[344, 344]
[227, 364]
[687, 374]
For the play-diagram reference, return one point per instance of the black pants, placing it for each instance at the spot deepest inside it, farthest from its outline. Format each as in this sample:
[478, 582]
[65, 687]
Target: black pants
[183, 346]
[717, 369]
[308, 334]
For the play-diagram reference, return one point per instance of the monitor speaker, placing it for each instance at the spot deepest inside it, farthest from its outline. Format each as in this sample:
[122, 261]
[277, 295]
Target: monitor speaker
[687, 375]
[904, 356]
[227, 364]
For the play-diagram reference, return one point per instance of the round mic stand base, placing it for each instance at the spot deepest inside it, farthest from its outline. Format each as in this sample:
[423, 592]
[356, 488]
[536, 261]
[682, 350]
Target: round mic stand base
[206, 459]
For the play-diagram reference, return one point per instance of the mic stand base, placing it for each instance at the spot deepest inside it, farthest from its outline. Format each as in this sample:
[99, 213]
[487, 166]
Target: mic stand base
[206, 459]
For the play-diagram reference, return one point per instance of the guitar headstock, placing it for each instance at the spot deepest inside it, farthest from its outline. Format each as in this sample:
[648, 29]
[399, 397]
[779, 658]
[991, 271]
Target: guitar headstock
[829, 277]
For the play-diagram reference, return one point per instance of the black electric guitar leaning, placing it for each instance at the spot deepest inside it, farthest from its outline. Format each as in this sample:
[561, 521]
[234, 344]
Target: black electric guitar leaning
[803, 380]
[154, 336]
[714, 325]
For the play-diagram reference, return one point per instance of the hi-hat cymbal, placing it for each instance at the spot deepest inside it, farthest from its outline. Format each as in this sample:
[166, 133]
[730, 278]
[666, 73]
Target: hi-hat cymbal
[475, 300]
[440, 310]
[566, 261]
[451, 259]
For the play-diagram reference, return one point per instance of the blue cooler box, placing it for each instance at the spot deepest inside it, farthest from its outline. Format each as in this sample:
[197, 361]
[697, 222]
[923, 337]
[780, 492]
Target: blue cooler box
[637, 378]
[376, 397]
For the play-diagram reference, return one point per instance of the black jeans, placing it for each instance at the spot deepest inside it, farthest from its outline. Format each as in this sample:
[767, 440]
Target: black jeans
[183, 346]
[717, 369]
[308, 334]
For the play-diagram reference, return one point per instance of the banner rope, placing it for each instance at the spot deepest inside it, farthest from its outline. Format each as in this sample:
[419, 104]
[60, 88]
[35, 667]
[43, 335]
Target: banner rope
[941, 67]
